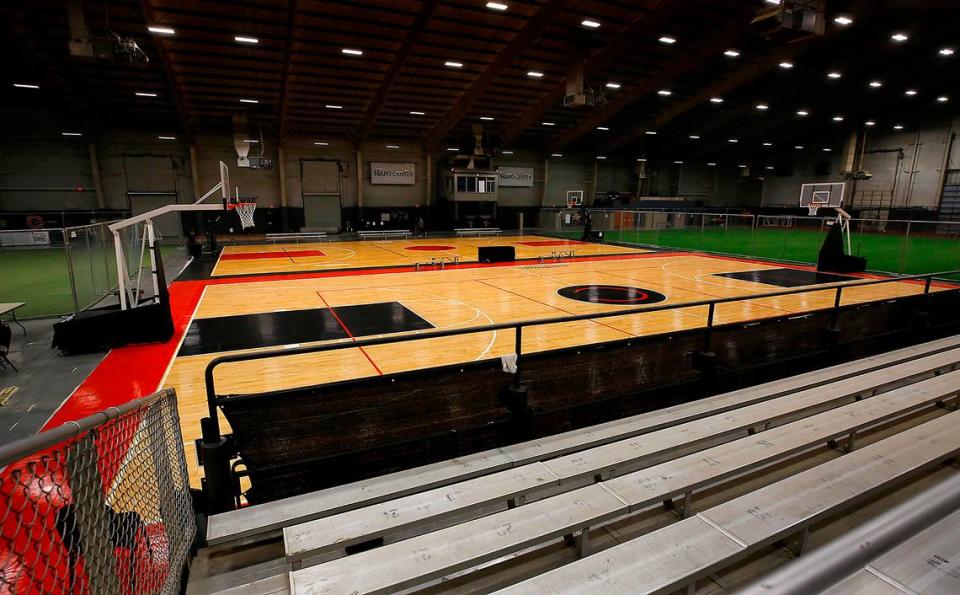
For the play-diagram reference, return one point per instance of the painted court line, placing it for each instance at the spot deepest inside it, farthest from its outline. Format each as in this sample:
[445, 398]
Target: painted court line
[349, 334]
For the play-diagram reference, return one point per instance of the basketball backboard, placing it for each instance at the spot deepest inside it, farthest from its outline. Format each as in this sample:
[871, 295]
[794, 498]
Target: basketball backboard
[574, 198]
[821, 195]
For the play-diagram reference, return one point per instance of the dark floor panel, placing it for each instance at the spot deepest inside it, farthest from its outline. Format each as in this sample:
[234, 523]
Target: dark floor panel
[272, 329]
[786, 277]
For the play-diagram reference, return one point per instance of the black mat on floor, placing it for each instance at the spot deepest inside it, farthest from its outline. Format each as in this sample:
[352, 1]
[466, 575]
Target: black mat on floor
[273, 329]
[786, 277]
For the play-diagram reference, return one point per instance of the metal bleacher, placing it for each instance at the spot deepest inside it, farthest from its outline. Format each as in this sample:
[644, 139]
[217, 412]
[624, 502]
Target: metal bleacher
[413, 528]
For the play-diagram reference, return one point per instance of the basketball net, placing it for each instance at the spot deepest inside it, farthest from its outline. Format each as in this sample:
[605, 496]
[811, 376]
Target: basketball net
[245, 210]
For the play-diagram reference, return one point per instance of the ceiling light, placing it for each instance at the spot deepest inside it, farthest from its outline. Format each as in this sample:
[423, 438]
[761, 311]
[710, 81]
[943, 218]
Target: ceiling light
[452, 64]
[694, 137]
[601, 157]
[496, 6]
[167, 138]
[716, 100]
[803, 113]
[589, 23]
[455, 149]
[798, 147]
[898, 126]
[826, 150]
[418, 113]
[711, 164]
[838, 118]
[947, 51]
[613, 85]
[71, 133]
[943, 99]
[665, 92]
[834, 75]
[548, 123]
[351, 52]
[910, 92]
[25, 86]
[393, 146]
[843, 20]
[243, 39]
[651, 132]
[333, 106]
[733, 140]
[249, 101]
[762, 106]
[321, 143]
[899, 37]
[252, 141]
[678, 162]
[161, 30]
[535, 74]
[786, 65]
[770, 167]
[508, 152]
[667, 40]
[767, 144]
[869, 123]
[603, 128]
[641, 159]
[741, 166]
[876, 84]
[487, 118]
[731, 53]
[556, 154]
[144, 94]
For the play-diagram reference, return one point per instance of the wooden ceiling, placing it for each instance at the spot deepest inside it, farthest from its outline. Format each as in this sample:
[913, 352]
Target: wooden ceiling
[305, 86]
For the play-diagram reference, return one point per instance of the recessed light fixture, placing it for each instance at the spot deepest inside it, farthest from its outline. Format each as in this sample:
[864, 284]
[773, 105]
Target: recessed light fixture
[548, 123]
[393, 146]
[826, 150]
[786, 65]
[943, 99]
[415, 113]
[603, 128]
[351, 52]
[556, 154]
[769, 167]
[898, 126]
[733, 140]
[869, 123]
[803, 113]
[508, 152]
[947, 51]
[711, 164]
[487, 118]
[613, 85]
[453, 64]
[716, 100]
[838, 118]
[798, 147]
[245, 39]
[453, 149]
[731, 53]
[899, 37]
[333, 106]
[667, 39]
[161, 30]
[601, 157]
[650, 132]
[678, 162]
[763, 107]
[71, 133]
[251, 141]
[535, 74]
[842, 20]
[834, 75]
[741, 166]
[641, 159]
[767, 144]
[876, 84]
[167, 138]
[145, 94]
[496, 6]
[321, 143]
[249, 101]
[910, 92]
[25, 86]
[694, 137]
[665, 92]
[589, 23]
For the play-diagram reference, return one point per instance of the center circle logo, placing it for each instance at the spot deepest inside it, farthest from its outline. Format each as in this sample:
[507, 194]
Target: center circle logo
[617, 295]
[430, 248]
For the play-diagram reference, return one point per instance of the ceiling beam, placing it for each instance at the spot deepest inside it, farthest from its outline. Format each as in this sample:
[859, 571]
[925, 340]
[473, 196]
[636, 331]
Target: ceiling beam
[390, 78]
[292, 11]
[182, 109]
[520, 42]
[671, 71]
[644, 19]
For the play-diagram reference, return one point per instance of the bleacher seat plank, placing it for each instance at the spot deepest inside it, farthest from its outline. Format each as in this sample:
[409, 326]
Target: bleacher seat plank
[355, 526]
[928, 562]
[434, 555]
[865, 583]
[270, 517]
[638, 490]
[755, 519]
[336, 532]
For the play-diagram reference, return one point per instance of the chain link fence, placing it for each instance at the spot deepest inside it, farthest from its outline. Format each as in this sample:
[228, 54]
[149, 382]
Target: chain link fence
[101, 505]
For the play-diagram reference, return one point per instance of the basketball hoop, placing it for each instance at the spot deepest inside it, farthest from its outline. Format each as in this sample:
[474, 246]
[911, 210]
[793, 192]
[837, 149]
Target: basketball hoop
[245, 210]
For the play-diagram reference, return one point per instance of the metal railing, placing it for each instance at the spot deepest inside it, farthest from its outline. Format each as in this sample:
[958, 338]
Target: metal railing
[98, 505]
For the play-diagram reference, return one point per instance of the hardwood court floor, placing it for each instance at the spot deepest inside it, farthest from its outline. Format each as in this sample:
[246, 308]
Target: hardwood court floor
[458, 298]
[293, 258]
